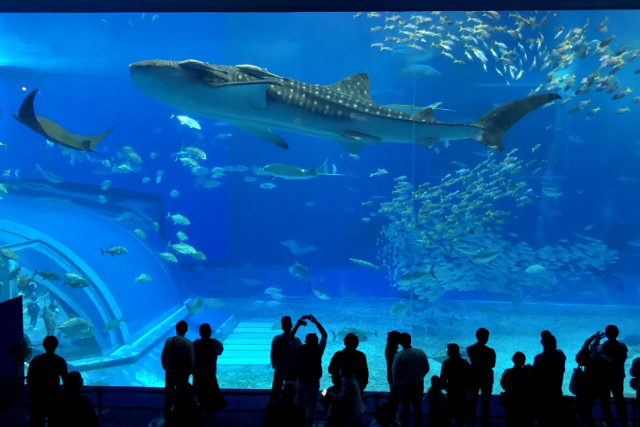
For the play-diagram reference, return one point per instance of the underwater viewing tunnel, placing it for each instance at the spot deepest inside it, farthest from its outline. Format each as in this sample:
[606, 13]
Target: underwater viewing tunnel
[55, 245]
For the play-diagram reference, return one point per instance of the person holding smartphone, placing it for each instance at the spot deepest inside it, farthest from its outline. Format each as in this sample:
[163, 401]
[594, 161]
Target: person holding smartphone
[309, 369]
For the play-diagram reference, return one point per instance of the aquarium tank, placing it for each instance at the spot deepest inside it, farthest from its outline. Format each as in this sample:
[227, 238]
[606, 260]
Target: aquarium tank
[425, 172]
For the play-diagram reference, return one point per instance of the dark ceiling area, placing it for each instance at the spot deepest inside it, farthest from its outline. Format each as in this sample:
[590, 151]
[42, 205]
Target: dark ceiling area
[114, 6]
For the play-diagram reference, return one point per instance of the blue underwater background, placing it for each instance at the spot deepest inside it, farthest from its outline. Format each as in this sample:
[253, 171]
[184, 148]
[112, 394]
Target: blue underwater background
[79, 65]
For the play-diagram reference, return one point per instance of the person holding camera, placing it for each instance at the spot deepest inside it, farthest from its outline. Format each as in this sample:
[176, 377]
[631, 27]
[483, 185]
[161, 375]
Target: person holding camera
[592, 387]
[309, 368]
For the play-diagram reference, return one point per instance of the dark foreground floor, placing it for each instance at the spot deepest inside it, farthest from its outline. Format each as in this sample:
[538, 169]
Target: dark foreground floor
[146, 417]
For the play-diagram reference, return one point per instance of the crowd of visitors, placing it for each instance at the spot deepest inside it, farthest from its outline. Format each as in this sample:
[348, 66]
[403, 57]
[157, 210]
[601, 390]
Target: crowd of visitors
[532, 393]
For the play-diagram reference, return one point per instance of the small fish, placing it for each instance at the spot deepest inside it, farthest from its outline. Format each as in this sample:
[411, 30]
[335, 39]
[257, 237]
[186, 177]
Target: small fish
[188, 121]
[268, 186]
[102, 199]
[174, 193]
[139, 233]
[380, 172]
[146, 180]
[364, 263]
[224, 136]
[154, 18]
[113, 324]
[105, 184]
[322, 294]
[168, 256]
[114, 250]
[143, 278]
[178, 219]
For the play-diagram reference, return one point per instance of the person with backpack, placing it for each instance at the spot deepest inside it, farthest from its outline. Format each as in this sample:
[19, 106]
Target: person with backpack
[178, 361]
[309, 369]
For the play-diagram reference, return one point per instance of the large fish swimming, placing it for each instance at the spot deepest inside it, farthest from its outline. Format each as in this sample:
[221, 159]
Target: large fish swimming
[257, 101]
[280, 170]
[54, 132]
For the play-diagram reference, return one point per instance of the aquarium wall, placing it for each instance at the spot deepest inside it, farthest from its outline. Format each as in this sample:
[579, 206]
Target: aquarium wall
[426, 172]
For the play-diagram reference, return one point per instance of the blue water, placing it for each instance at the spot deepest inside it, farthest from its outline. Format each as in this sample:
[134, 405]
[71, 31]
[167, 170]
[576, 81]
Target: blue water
[79, 64]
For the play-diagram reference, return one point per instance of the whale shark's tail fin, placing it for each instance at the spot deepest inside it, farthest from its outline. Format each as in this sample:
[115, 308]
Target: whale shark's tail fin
[497, 121]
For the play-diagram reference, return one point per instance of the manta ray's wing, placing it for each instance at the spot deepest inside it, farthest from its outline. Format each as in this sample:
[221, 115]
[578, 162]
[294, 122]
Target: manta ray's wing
[53, 131]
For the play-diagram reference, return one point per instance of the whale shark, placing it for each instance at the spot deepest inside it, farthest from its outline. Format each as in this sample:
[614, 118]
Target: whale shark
[257, 101]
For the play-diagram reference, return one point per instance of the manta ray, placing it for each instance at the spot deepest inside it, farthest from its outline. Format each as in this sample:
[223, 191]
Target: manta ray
[258, 101]
[53, 131]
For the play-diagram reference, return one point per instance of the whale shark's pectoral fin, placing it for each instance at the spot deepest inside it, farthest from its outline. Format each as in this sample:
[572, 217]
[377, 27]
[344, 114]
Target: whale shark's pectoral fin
[352, 145]
[266, 134]
[363, 137]
[427, 142]
[353, 141]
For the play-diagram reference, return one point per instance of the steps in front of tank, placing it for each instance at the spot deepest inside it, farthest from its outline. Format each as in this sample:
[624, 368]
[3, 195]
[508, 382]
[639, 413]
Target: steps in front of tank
[249, 344]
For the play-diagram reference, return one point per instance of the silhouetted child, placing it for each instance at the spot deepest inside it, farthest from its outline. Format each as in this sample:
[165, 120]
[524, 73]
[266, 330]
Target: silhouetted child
[73, 409]
[435, 399]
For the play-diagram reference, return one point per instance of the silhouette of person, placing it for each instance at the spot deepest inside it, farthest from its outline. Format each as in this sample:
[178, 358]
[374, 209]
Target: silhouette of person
[390, 351]
[73, 409]
[49, 316]
[548, 371]
[178, 361]
[616, 353]
[309, 370]
[483, 360]
[435, 398]
[456, 374]
[285, 412]
[593, 385]
[385, 416]
[635, 373]
[284, 354]
[410, 366]
[43, 377]
[519, 396]
[205, 384]
[33, 309]
[347, 406]
[352, 357]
